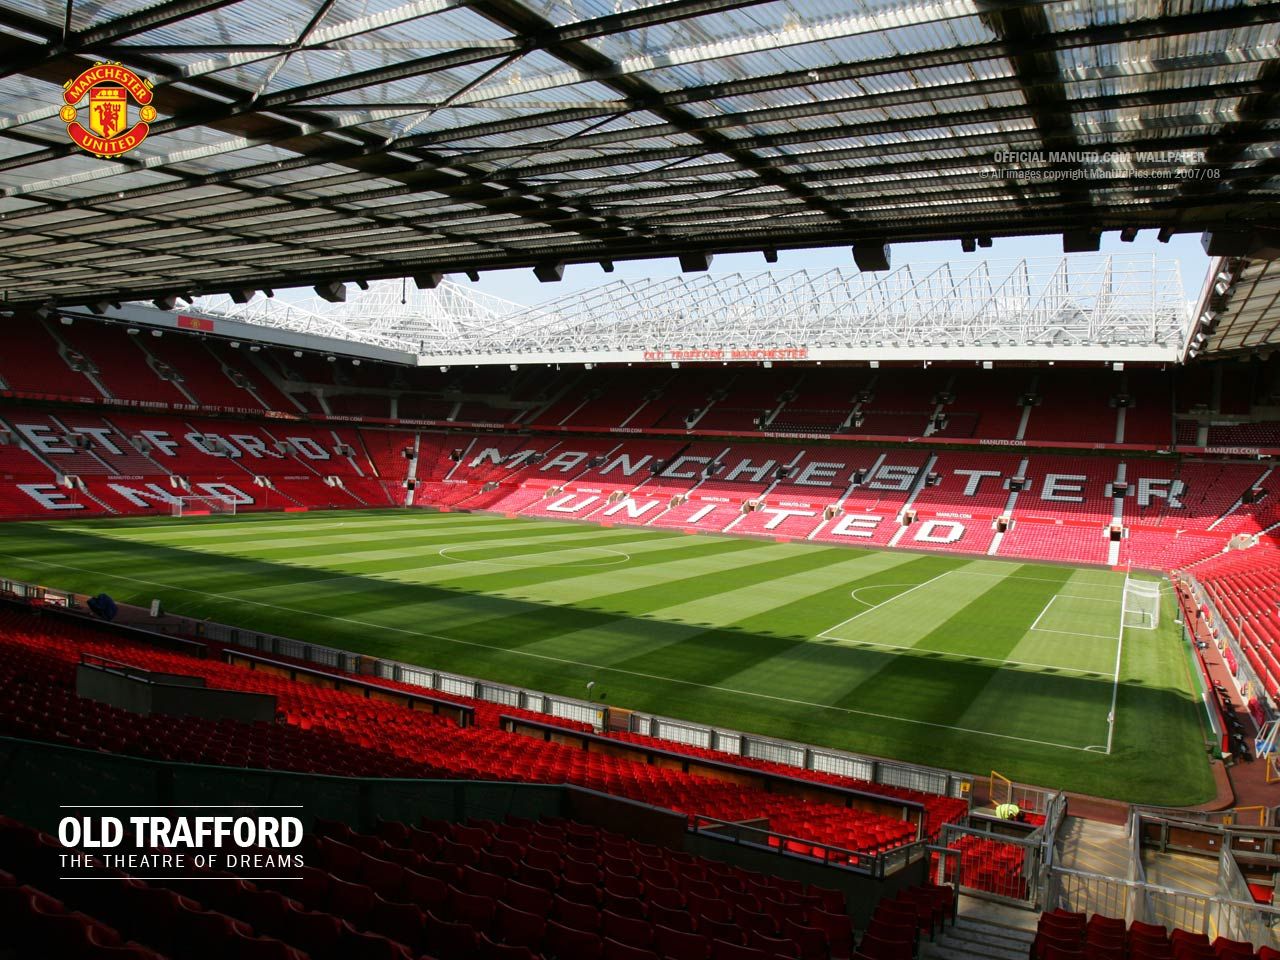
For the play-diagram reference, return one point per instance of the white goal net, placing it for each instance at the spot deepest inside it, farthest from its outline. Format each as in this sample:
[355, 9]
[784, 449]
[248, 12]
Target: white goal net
[202, 506]
[1142, 604]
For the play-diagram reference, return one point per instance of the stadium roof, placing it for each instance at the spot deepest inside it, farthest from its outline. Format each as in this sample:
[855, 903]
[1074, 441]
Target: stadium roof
[1239, 308]
[307, 141]
[1082, 308]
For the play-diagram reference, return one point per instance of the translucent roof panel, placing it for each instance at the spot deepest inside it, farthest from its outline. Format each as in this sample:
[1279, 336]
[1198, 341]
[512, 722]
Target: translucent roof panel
[342, 140]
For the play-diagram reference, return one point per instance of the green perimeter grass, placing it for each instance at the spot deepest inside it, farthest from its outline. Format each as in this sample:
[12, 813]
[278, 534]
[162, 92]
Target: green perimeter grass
[968, 663]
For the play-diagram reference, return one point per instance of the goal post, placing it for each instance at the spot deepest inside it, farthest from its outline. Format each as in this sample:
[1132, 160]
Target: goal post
[1141, 604]
[203, 506]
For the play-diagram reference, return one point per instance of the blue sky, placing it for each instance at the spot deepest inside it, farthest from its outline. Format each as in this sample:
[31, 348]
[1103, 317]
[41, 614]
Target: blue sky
[522, 287]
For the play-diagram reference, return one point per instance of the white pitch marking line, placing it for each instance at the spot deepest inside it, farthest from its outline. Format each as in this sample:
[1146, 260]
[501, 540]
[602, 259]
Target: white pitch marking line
[1115, 682]
[1070, 633]
[853, 595]
[1036, 623]
[973, 656]
[877, 606]
[562, 660]
[1074, 633]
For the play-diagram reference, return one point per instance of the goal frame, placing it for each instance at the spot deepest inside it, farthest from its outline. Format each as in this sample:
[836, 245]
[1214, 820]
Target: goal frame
[1140, 609]
[203, 506]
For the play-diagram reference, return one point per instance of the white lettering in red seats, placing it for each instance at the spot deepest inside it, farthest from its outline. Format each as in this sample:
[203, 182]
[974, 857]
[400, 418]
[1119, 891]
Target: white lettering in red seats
[1159, 488]
[674, 470]
[159, 440]
[564, 462]
[1063, 487]
[624, 463]
[894, 478]
[140, 497]
[49, 496]
[566, 505]
[856, 525]
[819, 473]
[227, 492]
[781, 515]
[757, 473]
[102, 435]
[975, 479]
[939, 531]
[308, 448]
[43, 438]
[633, 507]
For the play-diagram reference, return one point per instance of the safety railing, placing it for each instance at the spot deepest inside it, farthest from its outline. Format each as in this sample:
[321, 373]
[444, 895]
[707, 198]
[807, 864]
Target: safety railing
[1247, 679]
[1253, 815]
[1214, 915]
[945, 870]
[893, 773]
[1028, 798]
[997, 866]
[745, 833]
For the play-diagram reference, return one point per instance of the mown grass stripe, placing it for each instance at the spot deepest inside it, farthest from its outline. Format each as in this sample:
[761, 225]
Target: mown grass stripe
[405, 543]
[496, 624]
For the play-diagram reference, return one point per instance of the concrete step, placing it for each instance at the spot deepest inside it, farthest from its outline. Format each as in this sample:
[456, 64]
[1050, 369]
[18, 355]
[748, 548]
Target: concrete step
[953, 951]
[974, 927]
[969, 939]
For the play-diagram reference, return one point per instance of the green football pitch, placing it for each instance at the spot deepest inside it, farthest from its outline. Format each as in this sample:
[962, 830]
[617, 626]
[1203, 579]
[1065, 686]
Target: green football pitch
[972, 664]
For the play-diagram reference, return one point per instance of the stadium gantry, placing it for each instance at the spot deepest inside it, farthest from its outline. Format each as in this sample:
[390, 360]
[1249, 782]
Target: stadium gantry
[1114, 308]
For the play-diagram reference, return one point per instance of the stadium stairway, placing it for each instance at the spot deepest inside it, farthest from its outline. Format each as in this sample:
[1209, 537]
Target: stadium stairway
[976, 937]
[1092, 846]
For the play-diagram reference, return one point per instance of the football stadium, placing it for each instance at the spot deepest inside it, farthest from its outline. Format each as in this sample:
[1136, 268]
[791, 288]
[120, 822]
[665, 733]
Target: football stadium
[640, 480]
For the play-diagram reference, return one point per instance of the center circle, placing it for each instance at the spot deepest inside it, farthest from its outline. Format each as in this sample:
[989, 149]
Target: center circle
[603, 557]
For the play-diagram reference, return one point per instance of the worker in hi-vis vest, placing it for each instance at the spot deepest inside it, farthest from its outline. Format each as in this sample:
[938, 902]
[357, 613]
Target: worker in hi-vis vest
[1008, 811]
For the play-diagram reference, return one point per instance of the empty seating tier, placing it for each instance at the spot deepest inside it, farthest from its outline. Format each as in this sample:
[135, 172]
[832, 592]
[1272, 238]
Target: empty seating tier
[324, 730]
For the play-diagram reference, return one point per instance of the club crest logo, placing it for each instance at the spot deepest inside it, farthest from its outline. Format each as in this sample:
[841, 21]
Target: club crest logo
[109, 87]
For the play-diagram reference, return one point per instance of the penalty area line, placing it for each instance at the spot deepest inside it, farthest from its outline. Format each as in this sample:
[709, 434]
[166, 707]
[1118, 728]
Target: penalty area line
[1074, 633]
[1036, 623]
[561, 660]
[954, 656]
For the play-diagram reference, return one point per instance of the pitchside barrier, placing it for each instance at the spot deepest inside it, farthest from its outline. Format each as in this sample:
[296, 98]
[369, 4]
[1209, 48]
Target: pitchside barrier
[1246, 679]
[802, 756]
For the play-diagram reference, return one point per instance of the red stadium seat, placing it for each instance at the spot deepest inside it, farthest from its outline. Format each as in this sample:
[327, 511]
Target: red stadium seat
[565, 943]
[618, 950]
